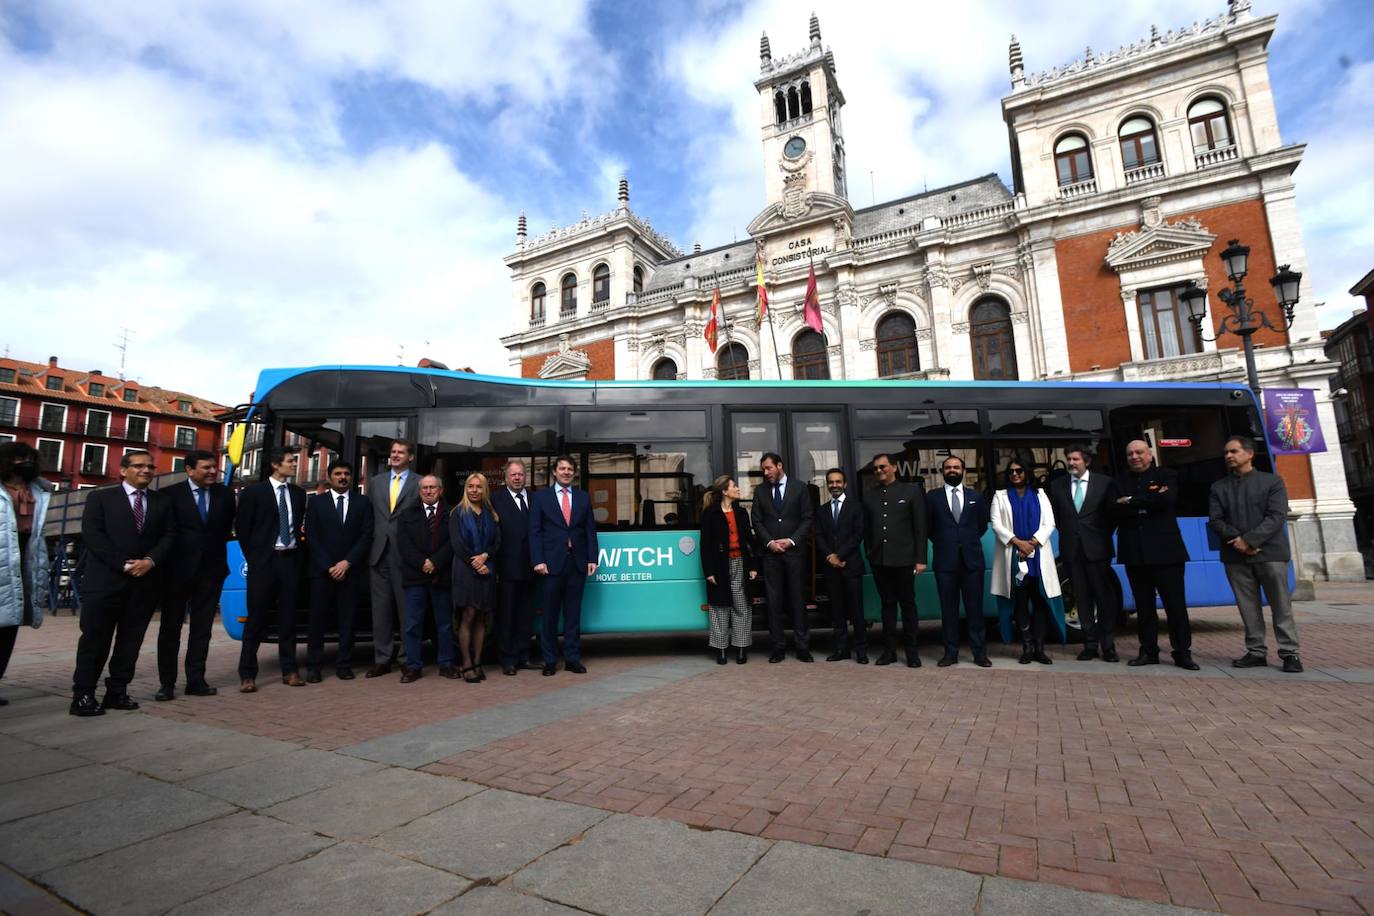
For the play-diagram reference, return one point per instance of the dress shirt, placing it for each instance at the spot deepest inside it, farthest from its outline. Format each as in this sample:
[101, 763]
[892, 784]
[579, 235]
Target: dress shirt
[949, 497]
[516, 495]
[840, 500]
[782, 482]
[277, 486]
[130, 491]
[333, 502]
[1084, 478]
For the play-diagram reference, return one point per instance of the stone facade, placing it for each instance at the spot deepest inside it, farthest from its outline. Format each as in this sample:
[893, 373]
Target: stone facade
[1131, 171]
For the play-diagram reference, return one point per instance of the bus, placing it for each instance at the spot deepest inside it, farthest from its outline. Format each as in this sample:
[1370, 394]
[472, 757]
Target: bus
[647, 452]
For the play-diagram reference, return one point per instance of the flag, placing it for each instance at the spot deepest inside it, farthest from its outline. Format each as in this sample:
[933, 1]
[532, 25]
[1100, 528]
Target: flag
[811, 309]
[763, 290]
[712, 324]
[233, 449]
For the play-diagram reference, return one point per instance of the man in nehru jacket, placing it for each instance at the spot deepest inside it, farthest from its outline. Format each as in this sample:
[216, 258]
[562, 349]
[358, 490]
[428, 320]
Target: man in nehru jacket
[895, 537]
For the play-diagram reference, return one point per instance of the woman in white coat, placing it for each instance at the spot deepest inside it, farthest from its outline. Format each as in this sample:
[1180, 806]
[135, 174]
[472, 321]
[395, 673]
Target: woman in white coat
[1023, 568]
[23, 552]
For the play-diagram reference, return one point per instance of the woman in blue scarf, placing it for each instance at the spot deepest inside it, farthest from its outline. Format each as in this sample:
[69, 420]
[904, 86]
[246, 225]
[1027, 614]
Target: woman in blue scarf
[476, 536]
[1023, 569]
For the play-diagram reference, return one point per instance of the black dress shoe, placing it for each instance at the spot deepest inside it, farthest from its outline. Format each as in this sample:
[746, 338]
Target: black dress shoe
[1292, 665]
[508, 671]
[947, 660]
[913, 660]
[550, 670]
[982, 661]
[861, 658]
[165, 692]
[576, 667]
[312, 676]
[1144, 658]
[720, 657]
[1250, 660]
[119, 701]
[84, 705]
[1111, 656]
[743, 657]
[201, 690]
[887, 658]
[1087, 655]
[1185, 661]
[804, 656]
[777, 656]
[344, 674]
[837, 656]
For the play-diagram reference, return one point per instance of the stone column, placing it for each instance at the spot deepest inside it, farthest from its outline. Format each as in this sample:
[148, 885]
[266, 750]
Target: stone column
[1048, 303]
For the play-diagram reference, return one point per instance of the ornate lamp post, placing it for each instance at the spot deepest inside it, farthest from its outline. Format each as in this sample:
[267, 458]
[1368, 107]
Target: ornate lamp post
[1244, 319]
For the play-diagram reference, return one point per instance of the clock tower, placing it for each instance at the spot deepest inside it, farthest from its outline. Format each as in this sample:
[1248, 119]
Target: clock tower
[803, 146]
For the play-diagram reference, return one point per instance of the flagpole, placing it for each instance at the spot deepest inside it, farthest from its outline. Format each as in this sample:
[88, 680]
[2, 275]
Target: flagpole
[772, 333]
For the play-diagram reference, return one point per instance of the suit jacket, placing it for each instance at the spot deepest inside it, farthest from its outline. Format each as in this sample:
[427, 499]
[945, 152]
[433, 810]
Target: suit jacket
[330, 540]
[549, 534]
[897, 526]
[791, 520]
[845, 537]
[715, 551]
[418, 542]
[1085, 534]
[257, 520]
[513, 562]
[956, 541]
[112, 538]
[384, 518]
[200, 545]
[1147, 527]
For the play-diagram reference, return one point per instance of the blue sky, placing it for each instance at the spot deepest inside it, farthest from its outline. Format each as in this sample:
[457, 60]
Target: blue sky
[263, 183]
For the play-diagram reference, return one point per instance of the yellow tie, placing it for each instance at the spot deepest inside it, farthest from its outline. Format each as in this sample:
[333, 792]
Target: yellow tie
[395, 490]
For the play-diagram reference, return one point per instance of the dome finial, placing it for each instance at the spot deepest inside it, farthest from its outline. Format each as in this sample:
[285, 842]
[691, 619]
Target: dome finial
[765, 52]
[520, 227]
[623, 194]
[815, 31]
[1015, 64]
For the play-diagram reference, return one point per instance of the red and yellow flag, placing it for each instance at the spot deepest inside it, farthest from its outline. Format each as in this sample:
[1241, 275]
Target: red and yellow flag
[712, 325]
[763, 290]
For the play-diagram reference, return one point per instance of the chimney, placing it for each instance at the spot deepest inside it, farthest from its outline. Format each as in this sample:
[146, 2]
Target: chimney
[52, 362]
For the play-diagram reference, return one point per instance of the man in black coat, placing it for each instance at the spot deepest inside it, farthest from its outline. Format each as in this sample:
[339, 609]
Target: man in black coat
[338, 534]
[426, 549]
[839, 543]
[203, 514]
[270, 529]
[783, 512]
[1084, 506]
[515, 575]
[895, 514]
[959, 517]
[128, 535]
[1151, 548]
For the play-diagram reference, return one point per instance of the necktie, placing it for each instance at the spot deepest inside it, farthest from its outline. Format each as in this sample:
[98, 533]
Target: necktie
[395, 490]
[956, 506]
[200, 504]
[1078, 494]
[835, 511]
[567, 506]
[777, 495]
[340, 507]
[138, 510]
[520, 498]
[433, 528]
[283, 518]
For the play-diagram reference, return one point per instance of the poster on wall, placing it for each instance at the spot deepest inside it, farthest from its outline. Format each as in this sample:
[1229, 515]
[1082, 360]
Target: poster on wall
[1290, 422]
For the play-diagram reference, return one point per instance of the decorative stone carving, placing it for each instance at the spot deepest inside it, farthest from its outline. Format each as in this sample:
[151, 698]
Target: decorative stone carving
[785, 359]
[1150, 217]
[753, 365]
[1025, 259]
[567, 363]
[982, 275]
[925, 333]
[1161, 243]
[796, 202]
[847, 295]
[1021, 317]
[833, 350]
[842, 234]
[1090, 61]
[632, 344]
[708, 373]
[936, 276]
[888, 293]
[959, 327]
[868, 344]
[658, 345]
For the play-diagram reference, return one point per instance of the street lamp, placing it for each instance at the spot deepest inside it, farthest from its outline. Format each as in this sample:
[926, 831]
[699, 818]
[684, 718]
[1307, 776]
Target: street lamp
[1244, 319]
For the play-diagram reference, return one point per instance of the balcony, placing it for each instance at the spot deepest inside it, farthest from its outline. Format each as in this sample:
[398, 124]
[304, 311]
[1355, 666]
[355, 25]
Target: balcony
[1210, 157]
[537, 320]
[1150, 172]
[600, 305]
[1078, 189]
[565, 314]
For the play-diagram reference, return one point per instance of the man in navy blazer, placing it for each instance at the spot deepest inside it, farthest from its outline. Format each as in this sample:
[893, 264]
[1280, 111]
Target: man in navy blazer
[783, 512]
[839, 544]
[515, 575]
[563, 549]
[958, 517]
[338, 535]
[203, 515]
[271, 533]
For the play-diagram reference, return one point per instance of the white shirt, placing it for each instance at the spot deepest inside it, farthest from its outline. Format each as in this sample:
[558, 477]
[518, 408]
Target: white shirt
[1084, 478]
[949, 497]
[277, 486]
[517, 495]
[333, 502]
[130, 491]
[837, 499]
[780, 488]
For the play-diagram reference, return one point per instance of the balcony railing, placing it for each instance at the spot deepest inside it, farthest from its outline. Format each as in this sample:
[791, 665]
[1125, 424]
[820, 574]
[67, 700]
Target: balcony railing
[600, 305]
[537, 320]
[1078, 189]
[1150, 172]
[1210, 157]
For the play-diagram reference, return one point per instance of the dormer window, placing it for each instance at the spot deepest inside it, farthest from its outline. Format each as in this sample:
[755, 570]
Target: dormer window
[131, 395]
[183, 406]
[54, 383]
[1071, 160]
[95, 390]
[639, 279]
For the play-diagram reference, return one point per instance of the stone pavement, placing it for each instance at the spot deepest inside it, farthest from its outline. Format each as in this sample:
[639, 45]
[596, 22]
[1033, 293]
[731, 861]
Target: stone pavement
[661, 783]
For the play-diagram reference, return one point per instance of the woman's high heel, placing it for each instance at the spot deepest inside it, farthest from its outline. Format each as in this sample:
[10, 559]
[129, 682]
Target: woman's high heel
[720, 656]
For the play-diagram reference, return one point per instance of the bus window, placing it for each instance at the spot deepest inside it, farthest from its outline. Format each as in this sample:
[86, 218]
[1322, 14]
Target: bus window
[320, 442]
[494, 430]
[374, 444]
[646, 487]
[1055, 421]
[923, 421]
[1047, 459]
[635, 425]
[919, 462]
[752, 434]
[816, 439]
[1187, 439]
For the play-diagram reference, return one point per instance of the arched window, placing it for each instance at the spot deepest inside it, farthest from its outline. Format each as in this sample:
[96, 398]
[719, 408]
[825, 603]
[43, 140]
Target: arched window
[793, 104]
[639, 279]
[989, 330]
[732, 362]
[897, 353]
[665, 370]
[601, 284]
[809, 359]
[1139, 146]
[806, 97]
[1208, 126]
[568, 294]
[1071, 160]
[537, 303]
[780, 105]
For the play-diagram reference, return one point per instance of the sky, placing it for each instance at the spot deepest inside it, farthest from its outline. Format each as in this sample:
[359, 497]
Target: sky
[256, 183]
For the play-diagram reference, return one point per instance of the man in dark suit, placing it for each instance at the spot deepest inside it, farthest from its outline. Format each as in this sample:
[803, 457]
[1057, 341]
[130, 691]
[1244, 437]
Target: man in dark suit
[391, 492]
[338, 531]
[783, 513]
[203, 513]
[895, 537]
[271, 513]
[128, 535]
[1151, 548]
[1084, 506]
[958, 518]
[426, 548]
[515, 610]
[564, 550]
[839, 543]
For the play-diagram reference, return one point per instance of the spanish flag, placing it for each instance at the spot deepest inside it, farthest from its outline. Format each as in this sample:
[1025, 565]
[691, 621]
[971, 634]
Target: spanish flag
[763, 290]
[711, 325]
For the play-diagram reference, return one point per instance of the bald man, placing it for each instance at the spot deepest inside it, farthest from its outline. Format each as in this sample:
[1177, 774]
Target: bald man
[1151, 548]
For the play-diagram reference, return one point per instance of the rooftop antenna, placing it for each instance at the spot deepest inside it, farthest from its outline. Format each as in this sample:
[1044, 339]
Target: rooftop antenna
[122, 347]
[872, 190]
[401, 356]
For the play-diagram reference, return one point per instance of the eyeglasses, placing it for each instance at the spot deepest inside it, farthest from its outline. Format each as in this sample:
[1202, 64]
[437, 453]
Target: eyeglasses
[1016, 472]
[141, 467]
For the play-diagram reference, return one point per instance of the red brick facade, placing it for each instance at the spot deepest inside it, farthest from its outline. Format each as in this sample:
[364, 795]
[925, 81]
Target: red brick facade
[601, 352]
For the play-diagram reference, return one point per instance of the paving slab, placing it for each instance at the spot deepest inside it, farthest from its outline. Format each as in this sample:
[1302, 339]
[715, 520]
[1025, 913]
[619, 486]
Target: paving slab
[202, 753]
[65, 787]
[103, 738]
[35, 762]
[1005, 897]
[498, 901]
[18, 897]
[208, 856]
[632, 865]
[345, 878]
[490, 835]
[142, 810]
[134, 736]
[364, 806]
[11, 745]
[268, 781]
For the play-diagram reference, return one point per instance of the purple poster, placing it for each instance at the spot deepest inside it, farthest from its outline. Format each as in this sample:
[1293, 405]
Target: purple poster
[1290, 422]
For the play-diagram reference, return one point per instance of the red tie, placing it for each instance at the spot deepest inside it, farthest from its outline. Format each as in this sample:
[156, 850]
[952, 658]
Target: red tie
[567, 512]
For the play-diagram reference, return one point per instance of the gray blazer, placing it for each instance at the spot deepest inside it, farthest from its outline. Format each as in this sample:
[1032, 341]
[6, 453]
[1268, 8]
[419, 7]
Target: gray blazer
[384, 518]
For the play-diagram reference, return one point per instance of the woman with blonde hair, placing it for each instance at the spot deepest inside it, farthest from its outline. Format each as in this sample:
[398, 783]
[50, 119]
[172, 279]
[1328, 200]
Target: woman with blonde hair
[727, 556]
[476, 536]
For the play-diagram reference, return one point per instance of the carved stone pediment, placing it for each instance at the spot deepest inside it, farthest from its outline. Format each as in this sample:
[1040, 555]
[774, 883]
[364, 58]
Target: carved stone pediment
[567, 363]
[811, 206]
[1161, 243]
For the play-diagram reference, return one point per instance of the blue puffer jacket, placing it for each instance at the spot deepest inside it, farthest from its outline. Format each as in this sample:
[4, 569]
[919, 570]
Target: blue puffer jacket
[36, 570]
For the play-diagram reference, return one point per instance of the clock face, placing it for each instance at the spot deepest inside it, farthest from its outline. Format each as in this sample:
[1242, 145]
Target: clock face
[794, 148]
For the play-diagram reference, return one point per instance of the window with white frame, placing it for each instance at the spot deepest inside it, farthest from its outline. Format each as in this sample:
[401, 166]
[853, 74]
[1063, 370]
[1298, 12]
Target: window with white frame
[136, 429]
[52, 418]
[9, 411]
[6, 437]
[49, 454]
[178, 464]
[93, 459]
[186, 437]
[97, 422]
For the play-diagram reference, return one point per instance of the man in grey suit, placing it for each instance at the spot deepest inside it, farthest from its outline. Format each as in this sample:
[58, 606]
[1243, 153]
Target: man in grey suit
[783, 512]
[1084, 505]
[391, 493]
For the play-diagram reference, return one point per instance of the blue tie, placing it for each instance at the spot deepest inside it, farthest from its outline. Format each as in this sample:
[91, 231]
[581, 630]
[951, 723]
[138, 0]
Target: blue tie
[341, 507]
[283, 518]
[956, 507]
[200, 505]
[835, 511]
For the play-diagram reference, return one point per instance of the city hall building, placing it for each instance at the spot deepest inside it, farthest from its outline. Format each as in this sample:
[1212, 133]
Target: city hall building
[1131, 171]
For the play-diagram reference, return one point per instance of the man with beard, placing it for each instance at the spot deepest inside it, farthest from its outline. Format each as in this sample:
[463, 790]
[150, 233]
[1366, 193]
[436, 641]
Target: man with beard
[895, 537]
[959, 516]
[782, 516]
[839, 543]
